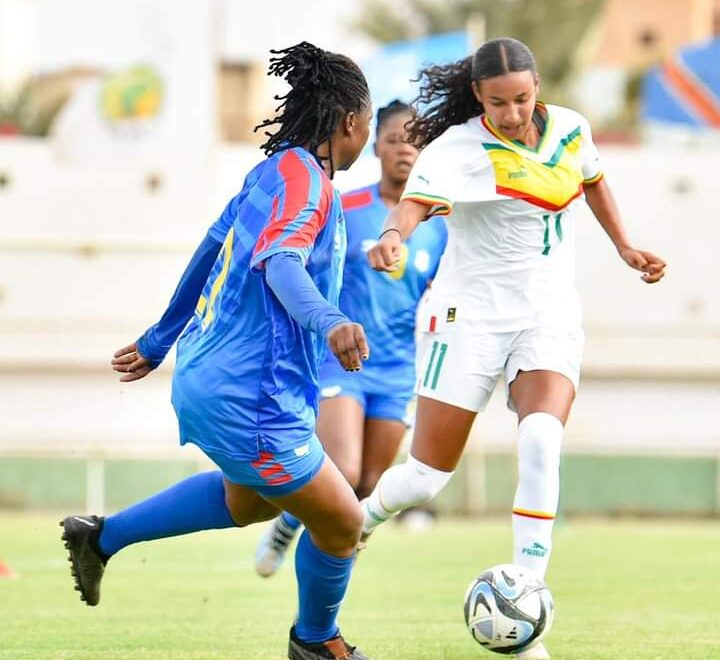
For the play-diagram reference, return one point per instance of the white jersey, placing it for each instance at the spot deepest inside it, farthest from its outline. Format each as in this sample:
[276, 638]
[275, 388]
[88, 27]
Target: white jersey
[509, 260]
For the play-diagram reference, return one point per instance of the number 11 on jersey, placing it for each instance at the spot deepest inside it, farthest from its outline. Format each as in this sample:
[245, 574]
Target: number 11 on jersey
[549, 220]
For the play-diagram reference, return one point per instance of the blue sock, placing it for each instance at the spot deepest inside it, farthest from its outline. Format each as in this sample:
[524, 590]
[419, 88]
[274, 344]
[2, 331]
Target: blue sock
[322, 582]
[192, 505]
[290, 520]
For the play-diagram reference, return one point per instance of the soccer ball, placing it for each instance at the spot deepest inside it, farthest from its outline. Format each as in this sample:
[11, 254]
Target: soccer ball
[508, 609]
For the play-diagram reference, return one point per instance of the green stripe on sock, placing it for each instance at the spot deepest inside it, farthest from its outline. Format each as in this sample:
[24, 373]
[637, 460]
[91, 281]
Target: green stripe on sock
[375, 517]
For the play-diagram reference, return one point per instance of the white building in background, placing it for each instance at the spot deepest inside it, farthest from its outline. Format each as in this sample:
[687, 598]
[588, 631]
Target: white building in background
[97, 224]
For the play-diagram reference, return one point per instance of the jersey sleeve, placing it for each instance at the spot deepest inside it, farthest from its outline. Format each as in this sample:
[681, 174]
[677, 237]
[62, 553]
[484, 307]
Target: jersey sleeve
[589, 157]
[435, 178]
[300, 210]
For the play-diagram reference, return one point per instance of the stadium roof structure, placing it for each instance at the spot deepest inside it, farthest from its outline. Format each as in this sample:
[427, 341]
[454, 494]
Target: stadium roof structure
[685, 89]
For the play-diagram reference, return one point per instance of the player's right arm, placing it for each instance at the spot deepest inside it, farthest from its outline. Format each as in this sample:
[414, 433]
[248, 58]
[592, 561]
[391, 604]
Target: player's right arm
[138, 359]
[399, 225]
[430, 190]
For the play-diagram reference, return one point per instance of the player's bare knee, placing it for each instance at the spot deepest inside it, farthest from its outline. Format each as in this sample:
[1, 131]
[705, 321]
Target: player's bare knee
[350, 528]
[341, 535]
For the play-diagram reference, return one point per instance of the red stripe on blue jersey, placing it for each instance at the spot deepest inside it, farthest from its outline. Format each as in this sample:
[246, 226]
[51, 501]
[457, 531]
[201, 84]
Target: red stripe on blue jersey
[357, 199]
[299, 214]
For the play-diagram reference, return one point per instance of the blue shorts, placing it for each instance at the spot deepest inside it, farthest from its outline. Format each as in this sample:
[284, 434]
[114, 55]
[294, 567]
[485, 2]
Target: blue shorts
[273, 474]
[363, 387]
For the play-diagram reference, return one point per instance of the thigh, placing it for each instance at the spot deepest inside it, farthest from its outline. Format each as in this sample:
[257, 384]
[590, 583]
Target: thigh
[340, 429]
[543, 369]
[246, 506]
[441, 432]
[380, 446]
[542, 391]
[328, 508]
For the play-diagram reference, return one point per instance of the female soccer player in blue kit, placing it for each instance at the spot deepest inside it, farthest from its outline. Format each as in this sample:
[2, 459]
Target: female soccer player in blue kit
[363, 416]
[245, 387]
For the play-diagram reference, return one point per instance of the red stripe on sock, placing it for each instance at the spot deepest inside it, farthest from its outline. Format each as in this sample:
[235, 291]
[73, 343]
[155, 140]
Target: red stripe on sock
[539, 515]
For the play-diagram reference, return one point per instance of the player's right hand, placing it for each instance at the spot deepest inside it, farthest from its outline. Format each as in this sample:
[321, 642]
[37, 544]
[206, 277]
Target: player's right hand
[129, 362]
[385, 254]
[348, 343]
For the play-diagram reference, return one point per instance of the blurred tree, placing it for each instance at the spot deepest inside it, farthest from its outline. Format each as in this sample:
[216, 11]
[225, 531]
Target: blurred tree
[26, 114]
[552, 28]
[32, 108]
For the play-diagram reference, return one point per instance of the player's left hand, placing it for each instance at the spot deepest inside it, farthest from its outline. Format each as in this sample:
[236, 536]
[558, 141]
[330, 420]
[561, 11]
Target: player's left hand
[349, 345]
[131, 363]
[652, 266]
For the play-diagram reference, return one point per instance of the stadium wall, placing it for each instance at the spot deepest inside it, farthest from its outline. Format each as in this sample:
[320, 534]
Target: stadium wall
[90, 256]
[483, 484]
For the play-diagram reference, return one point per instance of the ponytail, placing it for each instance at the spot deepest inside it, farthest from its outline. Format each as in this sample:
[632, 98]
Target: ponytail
[447, 98]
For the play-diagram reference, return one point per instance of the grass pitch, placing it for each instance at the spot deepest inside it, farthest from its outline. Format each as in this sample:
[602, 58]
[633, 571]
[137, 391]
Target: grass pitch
[629, 590]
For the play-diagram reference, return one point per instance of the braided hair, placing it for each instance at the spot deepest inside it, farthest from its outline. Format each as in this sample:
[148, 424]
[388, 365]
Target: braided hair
[446, 97]
[395, 107]
[324, 87]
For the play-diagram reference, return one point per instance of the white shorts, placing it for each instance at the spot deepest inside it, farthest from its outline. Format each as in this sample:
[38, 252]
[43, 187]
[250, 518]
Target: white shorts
[462, 367]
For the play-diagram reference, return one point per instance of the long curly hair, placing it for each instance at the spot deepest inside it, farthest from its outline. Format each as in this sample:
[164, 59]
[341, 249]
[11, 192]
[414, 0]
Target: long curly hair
[446, 97]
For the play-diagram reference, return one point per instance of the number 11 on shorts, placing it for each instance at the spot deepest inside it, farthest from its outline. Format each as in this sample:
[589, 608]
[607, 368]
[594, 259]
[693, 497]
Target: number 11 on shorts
[437, 357]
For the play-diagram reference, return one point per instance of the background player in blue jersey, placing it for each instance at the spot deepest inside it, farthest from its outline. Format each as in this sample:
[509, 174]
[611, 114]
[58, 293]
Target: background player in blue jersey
[363, 416]
[266, 281]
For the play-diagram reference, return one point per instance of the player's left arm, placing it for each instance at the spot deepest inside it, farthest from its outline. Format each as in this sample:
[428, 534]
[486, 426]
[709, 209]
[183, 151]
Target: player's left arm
[294, 288]
[602, 203]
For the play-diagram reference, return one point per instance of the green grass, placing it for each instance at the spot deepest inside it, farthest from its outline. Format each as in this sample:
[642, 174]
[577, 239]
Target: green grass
[627, 590]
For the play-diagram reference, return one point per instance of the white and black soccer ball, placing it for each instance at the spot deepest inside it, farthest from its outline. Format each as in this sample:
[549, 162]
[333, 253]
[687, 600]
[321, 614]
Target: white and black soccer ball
[508, 609]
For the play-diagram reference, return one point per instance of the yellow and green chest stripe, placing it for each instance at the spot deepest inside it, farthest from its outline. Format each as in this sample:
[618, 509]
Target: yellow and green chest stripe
[551, 185]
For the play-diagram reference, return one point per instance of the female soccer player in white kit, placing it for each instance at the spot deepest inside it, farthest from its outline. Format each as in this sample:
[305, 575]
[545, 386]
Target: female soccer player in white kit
[506, 170]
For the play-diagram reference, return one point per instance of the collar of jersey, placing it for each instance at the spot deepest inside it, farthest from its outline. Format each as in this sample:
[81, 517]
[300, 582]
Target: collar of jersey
[516, 143]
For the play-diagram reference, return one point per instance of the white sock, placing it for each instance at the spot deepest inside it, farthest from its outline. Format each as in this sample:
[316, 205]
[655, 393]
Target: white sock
[536, 498]
[400, 487]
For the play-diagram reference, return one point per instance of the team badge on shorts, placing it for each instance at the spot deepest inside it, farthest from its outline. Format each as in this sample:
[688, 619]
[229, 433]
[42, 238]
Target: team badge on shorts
[451, 314]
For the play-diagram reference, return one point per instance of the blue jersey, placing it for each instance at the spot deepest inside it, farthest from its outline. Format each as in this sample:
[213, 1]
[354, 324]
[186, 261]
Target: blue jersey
[385, 303]
[246, 378]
